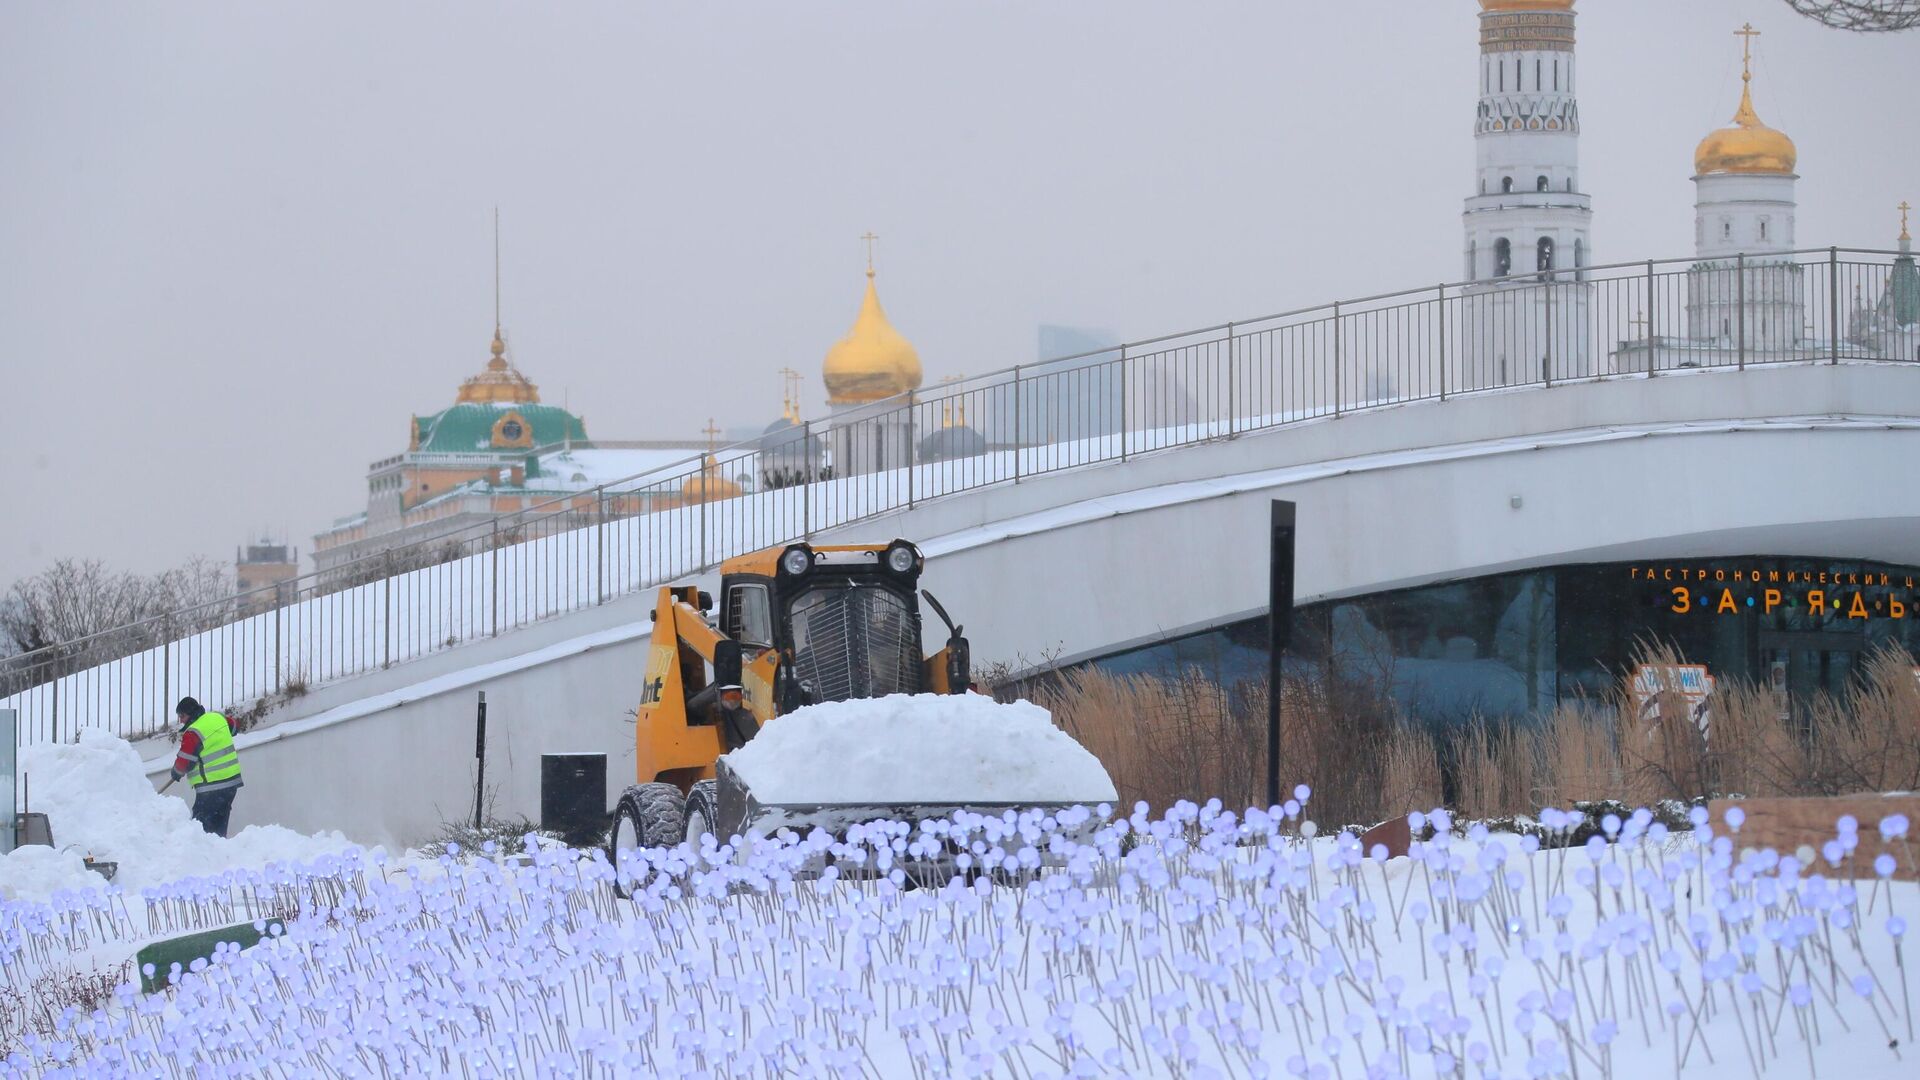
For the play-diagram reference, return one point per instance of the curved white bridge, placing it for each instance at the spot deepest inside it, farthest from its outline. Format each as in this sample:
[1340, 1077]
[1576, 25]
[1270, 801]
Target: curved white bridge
[1803, 459]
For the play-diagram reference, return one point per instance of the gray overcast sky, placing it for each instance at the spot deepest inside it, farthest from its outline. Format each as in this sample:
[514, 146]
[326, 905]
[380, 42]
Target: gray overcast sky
[243, 242]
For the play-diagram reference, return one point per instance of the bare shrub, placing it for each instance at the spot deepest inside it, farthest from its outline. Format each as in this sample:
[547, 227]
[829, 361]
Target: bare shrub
[1753, 749]
[37, 1008]
[1161, 740]
[78, 613]
[1875, 746]
[1579, 760]
[1409, 774]
[1496, 769]
[1187, 737]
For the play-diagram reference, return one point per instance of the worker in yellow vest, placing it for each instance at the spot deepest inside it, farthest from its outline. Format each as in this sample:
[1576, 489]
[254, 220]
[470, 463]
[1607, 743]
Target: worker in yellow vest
[210, 762]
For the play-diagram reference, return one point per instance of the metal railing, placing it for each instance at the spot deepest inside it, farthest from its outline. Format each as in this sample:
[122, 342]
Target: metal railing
[1631, 320]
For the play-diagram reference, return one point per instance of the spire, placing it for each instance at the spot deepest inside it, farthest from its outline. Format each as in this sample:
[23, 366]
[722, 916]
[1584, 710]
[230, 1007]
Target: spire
[1745, 116]
[790, 395]
[498, 383]
[953, 408]
[869, 236]
[499, 361]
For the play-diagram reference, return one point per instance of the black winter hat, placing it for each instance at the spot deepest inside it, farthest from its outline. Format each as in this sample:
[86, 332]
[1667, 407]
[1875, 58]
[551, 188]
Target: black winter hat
[188, 708]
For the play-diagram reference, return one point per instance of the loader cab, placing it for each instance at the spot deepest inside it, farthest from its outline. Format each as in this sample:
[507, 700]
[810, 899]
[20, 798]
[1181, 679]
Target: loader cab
[844, 621]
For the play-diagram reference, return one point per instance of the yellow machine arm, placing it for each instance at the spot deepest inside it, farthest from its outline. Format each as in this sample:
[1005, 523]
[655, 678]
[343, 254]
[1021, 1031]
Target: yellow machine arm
[670, 745]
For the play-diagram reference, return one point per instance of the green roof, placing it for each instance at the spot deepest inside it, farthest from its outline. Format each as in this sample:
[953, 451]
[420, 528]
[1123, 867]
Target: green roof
[467, 428]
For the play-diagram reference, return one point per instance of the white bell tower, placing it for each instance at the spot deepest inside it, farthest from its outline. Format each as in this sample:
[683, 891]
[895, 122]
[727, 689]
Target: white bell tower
[1528, 222]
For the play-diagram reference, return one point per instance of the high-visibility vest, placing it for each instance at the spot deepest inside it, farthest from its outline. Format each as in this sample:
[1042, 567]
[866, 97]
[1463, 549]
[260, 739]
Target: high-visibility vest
[219, 758]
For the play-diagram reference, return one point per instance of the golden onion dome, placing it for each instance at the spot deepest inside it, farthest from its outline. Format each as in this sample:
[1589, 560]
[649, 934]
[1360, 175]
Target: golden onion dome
[873, 361]
[1526, 5]
[1747, 147]
[708, 485]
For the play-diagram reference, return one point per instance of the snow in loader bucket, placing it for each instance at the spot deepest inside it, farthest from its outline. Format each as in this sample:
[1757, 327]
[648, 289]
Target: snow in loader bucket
[905, 758]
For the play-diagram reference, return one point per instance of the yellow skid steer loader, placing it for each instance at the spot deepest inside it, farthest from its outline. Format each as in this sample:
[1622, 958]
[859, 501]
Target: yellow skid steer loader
[797, 625]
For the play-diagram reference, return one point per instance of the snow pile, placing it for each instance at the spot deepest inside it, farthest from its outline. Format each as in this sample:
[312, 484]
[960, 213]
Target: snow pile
[920, 749]
[99, 802]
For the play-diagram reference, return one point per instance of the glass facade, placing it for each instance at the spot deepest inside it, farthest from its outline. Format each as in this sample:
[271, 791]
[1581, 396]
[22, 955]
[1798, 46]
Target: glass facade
[1513, 645]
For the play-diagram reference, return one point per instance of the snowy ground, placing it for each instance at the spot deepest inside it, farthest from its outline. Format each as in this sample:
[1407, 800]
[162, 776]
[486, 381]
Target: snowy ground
[96, 795]
[1199, 944]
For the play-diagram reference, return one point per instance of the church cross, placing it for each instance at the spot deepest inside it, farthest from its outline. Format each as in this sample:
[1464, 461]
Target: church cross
[710, 431]
[790, 393]
[1903, 208]
[1747, 33]
[869, 237]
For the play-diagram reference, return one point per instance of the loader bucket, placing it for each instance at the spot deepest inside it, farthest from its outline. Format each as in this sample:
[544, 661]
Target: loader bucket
[739, 813]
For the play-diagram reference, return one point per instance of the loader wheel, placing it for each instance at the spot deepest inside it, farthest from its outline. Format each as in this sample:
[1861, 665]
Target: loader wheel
[703, 809]
[649, 815]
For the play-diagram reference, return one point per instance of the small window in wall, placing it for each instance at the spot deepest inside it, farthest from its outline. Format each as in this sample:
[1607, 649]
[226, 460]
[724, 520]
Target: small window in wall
[1538, 67]
[1502, 257]
[1543, 256]
[1763, 228]
[1483, 185]
[1506, 183]
[1556, 74]
[1580, 260]
[1569, 183]
[1503, 74]
[1473, 260]
[1540, 183]
[1726, 229]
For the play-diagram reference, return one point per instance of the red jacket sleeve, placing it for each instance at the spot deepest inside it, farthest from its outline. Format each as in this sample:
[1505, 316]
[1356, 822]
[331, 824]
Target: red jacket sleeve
[189, 757]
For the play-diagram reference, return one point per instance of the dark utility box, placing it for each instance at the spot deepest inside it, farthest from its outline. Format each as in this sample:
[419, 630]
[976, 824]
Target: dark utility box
[573, 797]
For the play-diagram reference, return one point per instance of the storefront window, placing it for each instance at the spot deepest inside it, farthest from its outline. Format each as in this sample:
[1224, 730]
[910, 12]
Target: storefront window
[1511, 646]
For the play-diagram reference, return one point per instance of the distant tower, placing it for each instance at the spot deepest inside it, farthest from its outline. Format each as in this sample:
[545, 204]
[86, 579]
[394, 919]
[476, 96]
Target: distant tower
[1743, 212]
[871, 364]
[1890, 326]
[788, 454]
[1527, 225]
[261, 566]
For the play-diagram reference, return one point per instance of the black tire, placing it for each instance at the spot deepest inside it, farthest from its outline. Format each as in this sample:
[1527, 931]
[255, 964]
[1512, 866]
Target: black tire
[649, 815]
[703, 807]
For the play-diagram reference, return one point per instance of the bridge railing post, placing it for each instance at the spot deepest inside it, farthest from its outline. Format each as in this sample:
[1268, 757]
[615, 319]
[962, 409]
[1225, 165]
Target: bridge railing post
[1546, 343]
[1440, 324]
[810, 470]
[1740, 311]
[1833, 304]
[1336, 360]
[1019, 438]
[1230, 382]
[1650, 316]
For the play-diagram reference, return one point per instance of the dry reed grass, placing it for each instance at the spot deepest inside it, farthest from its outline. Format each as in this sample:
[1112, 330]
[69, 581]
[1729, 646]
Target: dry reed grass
[1166, 739]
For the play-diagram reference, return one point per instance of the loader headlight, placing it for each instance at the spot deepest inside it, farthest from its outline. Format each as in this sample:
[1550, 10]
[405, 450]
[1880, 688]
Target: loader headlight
[796, 560]
[901, 558]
